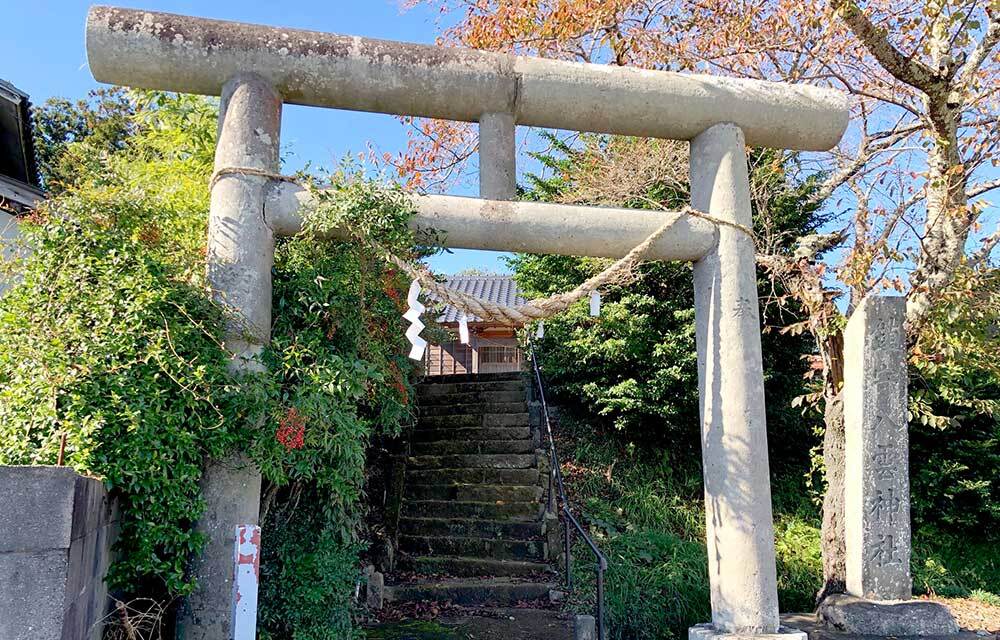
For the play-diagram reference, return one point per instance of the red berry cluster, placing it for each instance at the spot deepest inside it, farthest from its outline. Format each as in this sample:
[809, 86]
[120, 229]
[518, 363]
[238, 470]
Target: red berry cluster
[291, 430]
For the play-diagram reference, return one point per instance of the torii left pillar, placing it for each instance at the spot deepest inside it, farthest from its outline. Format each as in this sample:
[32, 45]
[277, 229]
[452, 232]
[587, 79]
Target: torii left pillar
[240, 257]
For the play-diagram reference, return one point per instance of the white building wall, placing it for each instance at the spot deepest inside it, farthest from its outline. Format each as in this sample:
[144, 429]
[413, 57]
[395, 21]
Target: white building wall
[10, 234]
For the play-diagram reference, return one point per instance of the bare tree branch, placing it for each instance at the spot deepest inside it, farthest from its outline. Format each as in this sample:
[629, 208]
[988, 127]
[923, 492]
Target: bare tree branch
[975, 60]
[982, 187]
[902, 67]
[982, 254]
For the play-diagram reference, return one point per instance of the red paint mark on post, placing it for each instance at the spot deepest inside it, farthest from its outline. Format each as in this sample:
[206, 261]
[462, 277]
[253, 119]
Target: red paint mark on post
[246, 579]
[252, 559]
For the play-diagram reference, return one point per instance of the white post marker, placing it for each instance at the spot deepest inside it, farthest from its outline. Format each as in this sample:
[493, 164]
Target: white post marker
[463, 328]
[595, 303]
[413, 315]
[246, 579]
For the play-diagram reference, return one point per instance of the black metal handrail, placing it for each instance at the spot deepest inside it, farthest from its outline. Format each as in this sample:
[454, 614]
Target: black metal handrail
[556, 480]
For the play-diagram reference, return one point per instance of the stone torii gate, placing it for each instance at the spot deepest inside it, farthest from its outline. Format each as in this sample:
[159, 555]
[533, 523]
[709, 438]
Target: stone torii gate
[256, 69]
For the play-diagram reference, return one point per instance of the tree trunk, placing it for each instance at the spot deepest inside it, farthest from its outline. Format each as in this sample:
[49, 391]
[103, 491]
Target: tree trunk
[949, 217]
[832, 535]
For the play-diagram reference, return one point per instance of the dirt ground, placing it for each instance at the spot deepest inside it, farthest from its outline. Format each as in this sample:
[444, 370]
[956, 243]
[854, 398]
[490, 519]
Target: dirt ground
[973, 614]
[455, 623]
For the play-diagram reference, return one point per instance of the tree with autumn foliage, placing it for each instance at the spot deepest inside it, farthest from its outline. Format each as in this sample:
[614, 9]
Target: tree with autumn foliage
[906, 190]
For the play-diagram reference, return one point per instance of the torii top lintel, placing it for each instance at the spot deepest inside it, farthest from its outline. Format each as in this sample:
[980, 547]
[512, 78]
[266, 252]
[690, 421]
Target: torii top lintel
[195, 55]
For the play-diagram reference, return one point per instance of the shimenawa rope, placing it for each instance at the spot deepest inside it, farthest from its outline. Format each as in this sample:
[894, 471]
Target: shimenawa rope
[538, 309]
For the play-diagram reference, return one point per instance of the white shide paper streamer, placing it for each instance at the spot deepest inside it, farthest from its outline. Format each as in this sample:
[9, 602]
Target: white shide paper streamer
[595, 304]
[540, 333]
[463, 328]
[413, 315]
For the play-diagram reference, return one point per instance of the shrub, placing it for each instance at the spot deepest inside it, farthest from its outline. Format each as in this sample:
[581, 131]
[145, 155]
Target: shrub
[111, 340]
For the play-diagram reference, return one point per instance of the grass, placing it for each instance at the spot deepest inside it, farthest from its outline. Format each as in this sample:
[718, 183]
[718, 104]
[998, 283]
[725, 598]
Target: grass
[645, 512]
[955, 566]
[985, 597]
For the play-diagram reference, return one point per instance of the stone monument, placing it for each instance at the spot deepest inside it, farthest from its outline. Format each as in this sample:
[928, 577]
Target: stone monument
[877, 482]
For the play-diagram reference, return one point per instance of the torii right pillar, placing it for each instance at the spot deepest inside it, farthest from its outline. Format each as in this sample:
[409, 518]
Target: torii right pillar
[739, 531]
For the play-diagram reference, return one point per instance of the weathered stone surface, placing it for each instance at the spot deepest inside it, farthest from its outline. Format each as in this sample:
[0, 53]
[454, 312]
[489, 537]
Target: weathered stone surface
[33, 594]
[739, 527]
[513, 511]
[375, 591]
[474, 408]
[877, 490]
[195, 55]
[493, 433]
[459, 566]
[472, 397]
[469, 447]
[468, 421]
[491, 461]
[483, 476]
[505, 419]
[708, 632]
[533, 227]
[431, 389]
[471, 527]
[584, 628]
[475, 492]
[240, 257]
[495, 591]
[476, 378]
[902, 618]
[36, 508]
[497, 549]
[57, 529]
[497, 156]
[475, 624]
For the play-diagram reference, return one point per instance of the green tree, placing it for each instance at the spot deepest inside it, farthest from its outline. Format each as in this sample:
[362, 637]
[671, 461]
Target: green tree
[634, 368]
[70, 134]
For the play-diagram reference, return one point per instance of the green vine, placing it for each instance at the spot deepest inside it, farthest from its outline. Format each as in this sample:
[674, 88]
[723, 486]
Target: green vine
[111, 340]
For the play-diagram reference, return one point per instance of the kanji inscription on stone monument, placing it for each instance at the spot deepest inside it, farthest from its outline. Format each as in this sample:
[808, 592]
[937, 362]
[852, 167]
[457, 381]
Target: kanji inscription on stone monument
[877, 487]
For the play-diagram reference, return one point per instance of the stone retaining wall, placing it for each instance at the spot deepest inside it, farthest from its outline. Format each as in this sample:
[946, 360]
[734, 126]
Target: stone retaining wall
[56, 531]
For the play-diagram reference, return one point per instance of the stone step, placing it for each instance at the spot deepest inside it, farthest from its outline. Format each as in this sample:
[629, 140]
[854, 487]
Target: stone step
[425, 390]
[476, 461]
[470, 447]
[498, 549]
[514, 511]
[474, 377]
[472, 476]
[458, 566]
[472, 397]
[493, 591]
[475, 408]
[471, 528]
[473, 420]
[465, 433]
[474, 492]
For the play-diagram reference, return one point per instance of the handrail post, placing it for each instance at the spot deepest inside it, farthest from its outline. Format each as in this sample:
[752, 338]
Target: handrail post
[569, 522]
[569, 558]
[553, 461]
[600, 602]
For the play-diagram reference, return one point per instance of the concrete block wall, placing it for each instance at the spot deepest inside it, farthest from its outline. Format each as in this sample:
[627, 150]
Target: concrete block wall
[56, 532]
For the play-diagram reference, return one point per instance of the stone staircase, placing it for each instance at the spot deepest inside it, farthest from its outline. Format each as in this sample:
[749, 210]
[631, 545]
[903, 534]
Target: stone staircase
[472, 527]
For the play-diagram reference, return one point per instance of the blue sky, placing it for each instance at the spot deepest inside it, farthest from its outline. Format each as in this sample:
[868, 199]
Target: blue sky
[44, 56]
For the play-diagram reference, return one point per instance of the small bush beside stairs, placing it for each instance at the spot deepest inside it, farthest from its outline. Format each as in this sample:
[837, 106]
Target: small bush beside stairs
[472, 528]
